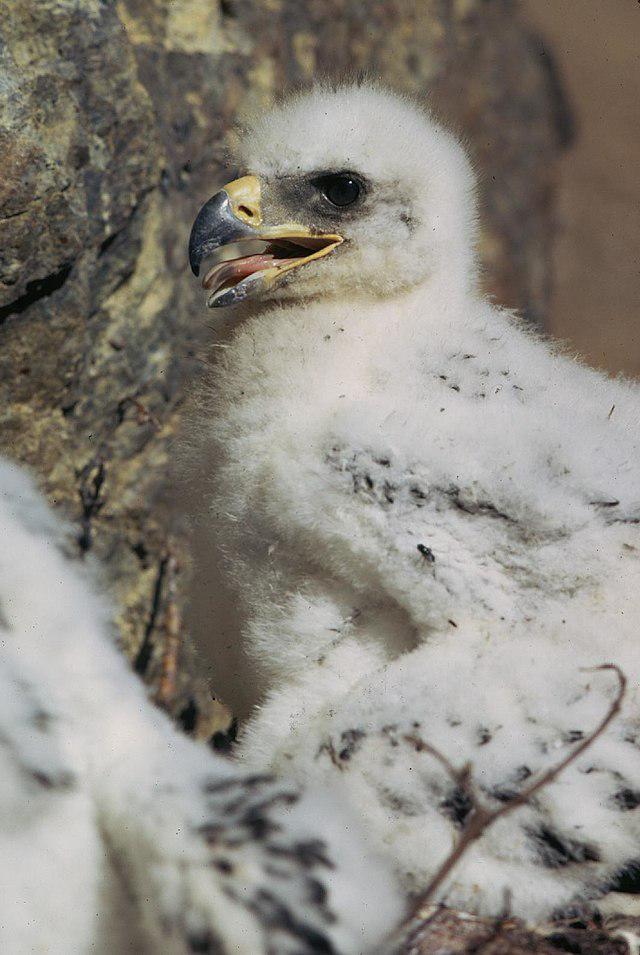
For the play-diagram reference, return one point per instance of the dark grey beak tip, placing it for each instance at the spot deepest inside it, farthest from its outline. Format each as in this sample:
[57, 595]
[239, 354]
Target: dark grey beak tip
[215, 225]
[203, 230]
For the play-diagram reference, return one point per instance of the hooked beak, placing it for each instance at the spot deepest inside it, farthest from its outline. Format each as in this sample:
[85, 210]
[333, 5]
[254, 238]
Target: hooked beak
[234, 215]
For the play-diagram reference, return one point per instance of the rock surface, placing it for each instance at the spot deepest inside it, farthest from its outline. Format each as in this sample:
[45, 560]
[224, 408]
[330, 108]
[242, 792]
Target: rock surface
[115, 118]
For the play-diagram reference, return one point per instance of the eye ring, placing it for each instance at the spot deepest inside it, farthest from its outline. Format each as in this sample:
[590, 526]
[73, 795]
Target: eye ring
[341, 189]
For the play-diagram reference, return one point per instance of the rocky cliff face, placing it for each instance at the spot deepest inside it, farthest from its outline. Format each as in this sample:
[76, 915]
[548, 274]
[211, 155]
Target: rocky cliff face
[114, 119]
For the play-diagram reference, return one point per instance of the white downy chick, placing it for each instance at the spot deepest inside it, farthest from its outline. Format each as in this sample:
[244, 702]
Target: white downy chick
[114, 825]
[430, 515]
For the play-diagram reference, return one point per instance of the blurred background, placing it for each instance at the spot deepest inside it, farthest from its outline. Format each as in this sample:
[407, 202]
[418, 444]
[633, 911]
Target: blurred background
[115, 120]
[595, 281]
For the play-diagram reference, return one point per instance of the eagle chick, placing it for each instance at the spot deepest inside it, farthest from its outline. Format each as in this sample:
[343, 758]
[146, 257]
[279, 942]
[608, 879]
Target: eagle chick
[430, 515]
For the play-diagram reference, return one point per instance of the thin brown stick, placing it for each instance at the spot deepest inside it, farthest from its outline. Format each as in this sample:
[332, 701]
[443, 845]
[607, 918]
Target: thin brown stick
[551, 774]
[421, 746]
[482, 817]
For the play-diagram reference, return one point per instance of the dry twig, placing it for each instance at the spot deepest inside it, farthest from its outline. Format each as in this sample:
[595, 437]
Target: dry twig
[481, 817]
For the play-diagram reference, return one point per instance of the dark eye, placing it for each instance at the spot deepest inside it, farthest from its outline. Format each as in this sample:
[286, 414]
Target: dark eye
[341, 189]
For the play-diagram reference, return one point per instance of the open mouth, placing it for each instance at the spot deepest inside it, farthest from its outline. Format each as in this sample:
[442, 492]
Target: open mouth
[235, 279]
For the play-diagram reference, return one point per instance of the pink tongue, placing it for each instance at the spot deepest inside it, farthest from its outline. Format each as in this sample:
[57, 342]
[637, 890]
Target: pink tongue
[236, 270]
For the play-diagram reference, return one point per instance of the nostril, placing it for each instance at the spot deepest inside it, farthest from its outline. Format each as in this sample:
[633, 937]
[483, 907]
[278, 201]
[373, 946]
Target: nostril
[246, 211]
